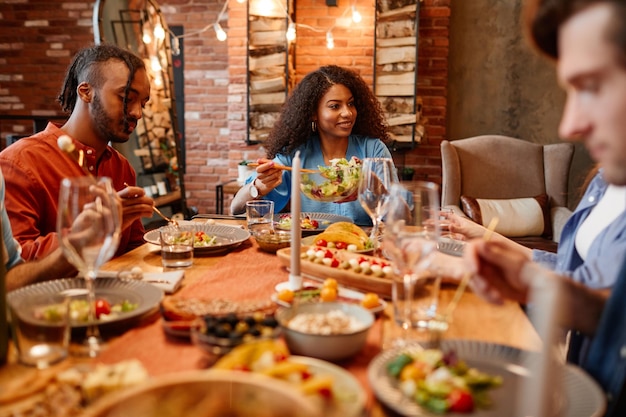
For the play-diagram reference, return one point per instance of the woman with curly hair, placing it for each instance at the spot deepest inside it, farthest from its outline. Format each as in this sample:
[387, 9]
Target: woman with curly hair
[332, 113]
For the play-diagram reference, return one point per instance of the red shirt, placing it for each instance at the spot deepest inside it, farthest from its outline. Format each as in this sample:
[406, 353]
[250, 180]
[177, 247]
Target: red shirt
[33, 168]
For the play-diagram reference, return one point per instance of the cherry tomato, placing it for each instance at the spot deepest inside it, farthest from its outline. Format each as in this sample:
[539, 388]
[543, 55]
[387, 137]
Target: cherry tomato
[326, 392]
[102, 307]
[286, 295]
[461, 401]
[341, 245]
[330, 282]
[334, 263]
[328, 294]
[370, 300]
[321, 242]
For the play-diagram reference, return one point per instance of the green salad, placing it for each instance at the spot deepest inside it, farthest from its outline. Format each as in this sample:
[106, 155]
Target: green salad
[441, 382]
[341, 179]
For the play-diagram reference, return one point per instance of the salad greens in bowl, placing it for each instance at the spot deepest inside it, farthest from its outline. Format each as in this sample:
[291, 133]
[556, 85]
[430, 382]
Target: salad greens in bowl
[333, 183]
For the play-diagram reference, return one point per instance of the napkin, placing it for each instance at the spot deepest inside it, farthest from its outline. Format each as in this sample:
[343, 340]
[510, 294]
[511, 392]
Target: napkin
[168, 281]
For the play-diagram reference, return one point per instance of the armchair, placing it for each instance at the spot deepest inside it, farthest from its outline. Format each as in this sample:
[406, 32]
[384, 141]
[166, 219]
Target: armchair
[504, 168]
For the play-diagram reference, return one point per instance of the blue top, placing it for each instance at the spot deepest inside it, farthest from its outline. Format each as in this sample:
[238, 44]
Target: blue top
[12, 251]
[311, 157]
[606, 361]
[606, 253]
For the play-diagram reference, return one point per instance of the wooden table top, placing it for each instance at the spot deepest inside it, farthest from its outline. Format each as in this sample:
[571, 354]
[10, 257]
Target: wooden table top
[473, 318]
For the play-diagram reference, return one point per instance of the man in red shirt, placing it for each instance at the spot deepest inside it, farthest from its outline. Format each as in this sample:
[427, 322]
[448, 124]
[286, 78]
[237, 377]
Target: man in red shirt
[105, 90]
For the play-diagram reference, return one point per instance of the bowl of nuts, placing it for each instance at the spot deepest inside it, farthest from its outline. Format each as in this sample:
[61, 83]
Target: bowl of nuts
[330, 331]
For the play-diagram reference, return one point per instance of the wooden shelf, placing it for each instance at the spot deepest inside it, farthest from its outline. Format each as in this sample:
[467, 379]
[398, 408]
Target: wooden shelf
[168, 199]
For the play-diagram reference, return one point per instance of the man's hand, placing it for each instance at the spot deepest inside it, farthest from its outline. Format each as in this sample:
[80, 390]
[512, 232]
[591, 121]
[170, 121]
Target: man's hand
[498, 271]
[135, 205]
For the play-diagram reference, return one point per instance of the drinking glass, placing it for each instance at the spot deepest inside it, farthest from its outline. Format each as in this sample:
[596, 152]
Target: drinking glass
[88, 225]
[377, 175]
[410, 240]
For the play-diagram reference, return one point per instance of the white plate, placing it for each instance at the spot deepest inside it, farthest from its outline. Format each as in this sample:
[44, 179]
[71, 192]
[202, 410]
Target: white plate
[583, 397]
[357, 296]
[324, 220]
[228, 237]
[350, 399]
[114, 290]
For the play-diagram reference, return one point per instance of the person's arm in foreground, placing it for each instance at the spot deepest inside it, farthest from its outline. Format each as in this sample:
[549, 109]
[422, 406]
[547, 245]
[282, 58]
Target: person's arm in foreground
[501, 273]
[52, 266]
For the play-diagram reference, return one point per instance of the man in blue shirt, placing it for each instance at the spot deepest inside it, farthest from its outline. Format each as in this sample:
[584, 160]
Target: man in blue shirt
[587, 38]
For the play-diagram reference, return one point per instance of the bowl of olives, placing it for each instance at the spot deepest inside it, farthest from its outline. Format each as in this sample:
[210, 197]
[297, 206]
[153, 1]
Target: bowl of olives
[219, 334]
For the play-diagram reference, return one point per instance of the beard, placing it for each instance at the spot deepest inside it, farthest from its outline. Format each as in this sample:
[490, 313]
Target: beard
[107, 127]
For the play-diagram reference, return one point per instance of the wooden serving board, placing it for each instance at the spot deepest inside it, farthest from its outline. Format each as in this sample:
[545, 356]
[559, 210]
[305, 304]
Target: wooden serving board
[345, 277]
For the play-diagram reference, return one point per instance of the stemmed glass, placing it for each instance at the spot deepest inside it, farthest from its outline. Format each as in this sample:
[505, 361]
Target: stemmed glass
[88, 226]
[410, 240]
[377, 175]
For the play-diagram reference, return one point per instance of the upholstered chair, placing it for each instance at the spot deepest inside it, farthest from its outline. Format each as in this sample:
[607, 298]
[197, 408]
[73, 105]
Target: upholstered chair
[512, 178]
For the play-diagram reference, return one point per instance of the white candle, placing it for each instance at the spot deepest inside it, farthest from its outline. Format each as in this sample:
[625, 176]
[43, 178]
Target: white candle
[295, 279]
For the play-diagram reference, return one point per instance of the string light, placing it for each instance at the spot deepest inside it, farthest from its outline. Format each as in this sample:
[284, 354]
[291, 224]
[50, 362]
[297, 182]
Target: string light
[159, 32]
[291, 32]
[219, 32]
[330, 41]
[147, 39]
[155, 64]
[356, 16]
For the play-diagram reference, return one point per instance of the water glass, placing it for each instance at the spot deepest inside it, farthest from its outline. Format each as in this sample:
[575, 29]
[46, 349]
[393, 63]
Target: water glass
[260, 216]
[417, 303]
[176, 248]
[40, 324]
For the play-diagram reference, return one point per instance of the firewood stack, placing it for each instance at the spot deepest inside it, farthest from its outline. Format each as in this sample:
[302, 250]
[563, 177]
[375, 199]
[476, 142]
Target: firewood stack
[269, 63]
[396, 66]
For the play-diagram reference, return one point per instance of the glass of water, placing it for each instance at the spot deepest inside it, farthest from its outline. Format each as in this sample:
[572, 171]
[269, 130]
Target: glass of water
[260, 216]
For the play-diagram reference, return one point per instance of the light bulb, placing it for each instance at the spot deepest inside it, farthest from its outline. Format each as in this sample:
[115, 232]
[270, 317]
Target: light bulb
[330, 41]
[175, 46]
[356, 16]
[159, 32]
[241, 1]
[147, 39]
[291, 32]
[219, 32]
[155, 64]
[158, 81]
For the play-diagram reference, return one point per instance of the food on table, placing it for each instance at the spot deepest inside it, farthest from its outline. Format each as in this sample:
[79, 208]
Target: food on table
[202, 240]
[367, 265]
[344, 235]
[271, 357]
[238, 329]
[178, 308]
[65, 391]
[79, 310]
[306, 222]
[328, 323]
[341, 180]
[329, 291]
[441, 382]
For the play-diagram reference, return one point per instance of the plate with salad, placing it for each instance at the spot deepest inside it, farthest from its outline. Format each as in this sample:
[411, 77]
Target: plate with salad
[119, 302]
[332, 183]
[470, 376]
[310, 223]
[208, 239]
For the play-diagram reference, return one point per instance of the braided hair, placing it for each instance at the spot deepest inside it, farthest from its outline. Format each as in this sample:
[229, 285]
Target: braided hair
[86, 67]
[293, 128]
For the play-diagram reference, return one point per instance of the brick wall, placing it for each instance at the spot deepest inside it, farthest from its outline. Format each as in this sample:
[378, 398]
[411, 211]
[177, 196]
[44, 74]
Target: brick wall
[40, 37]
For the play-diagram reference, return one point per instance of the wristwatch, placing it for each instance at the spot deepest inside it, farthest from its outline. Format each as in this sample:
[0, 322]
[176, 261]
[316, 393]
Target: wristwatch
[254, 192]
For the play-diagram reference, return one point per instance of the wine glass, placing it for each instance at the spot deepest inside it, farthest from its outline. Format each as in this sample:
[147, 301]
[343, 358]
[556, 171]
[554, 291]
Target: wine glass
[410, 241]
[377, 175]
[88, 226]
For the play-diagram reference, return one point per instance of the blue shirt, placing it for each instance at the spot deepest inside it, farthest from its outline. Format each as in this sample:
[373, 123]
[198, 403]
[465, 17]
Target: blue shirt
[311, 157]
[606, 360]
[12, 251]
[606, 253]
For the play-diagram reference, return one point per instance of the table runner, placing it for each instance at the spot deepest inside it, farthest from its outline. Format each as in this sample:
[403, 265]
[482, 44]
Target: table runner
[247, 273]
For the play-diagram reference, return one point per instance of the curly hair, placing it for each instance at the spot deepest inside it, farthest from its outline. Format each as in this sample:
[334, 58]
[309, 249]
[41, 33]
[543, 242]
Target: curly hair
[86, 67]
[293, 127]
[545, 17]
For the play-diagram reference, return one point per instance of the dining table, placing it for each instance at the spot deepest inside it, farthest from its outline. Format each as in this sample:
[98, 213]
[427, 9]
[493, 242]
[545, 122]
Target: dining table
[248, 273]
